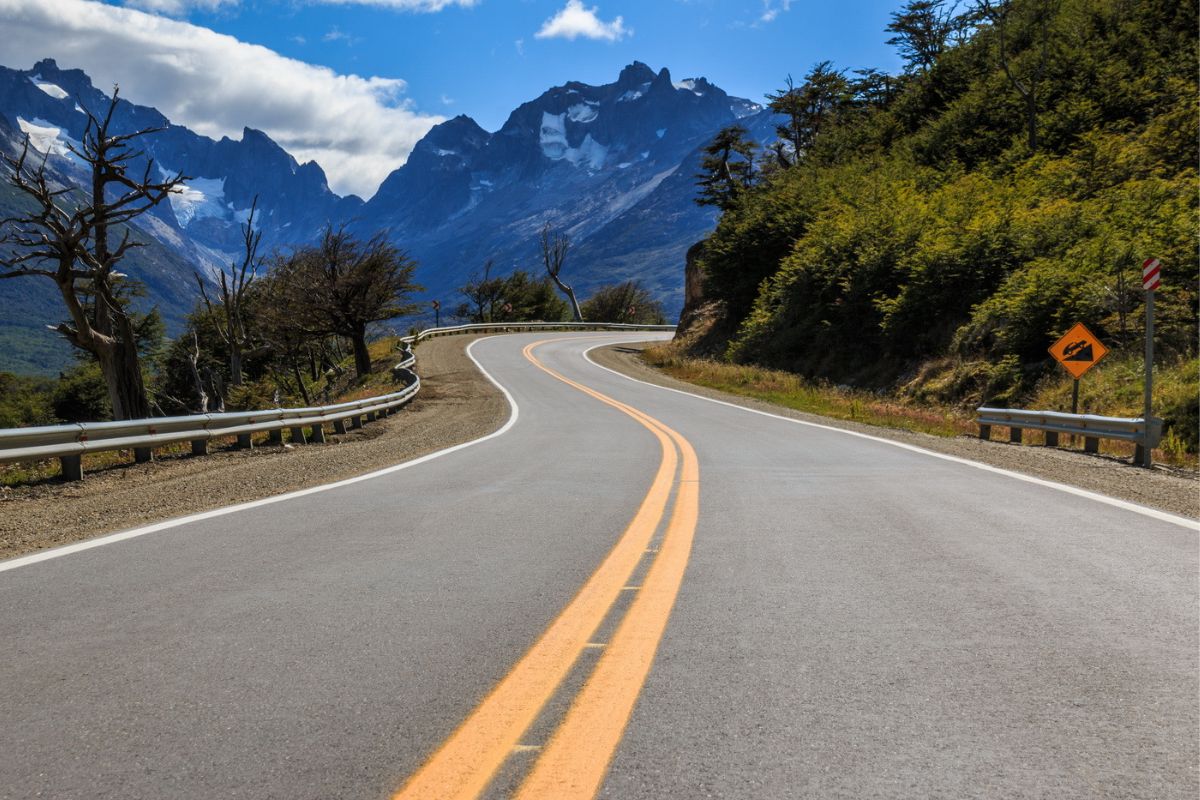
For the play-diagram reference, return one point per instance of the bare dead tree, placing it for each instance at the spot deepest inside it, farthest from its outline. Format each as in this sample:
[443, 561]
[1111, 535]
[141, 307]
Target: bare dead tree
[194, 366]
[230, 311]
[555, 245]
[66, 239]
[998, 12]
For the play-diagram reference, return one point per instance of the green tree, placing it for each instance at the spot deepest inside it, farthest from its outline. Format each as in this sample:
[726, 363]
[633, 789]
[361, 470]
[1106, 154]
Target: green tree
[727, 169]
[627, 302]
[341, 285]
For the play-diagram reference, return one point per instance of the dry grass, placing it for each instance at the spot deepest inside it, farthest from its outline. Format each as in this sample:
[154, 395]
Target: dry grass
[792, 391]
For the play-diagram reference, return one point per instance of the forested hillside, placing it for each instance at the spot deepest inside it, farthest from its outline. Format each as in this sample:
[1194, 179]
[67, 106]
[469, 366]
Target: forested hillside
[933, 233]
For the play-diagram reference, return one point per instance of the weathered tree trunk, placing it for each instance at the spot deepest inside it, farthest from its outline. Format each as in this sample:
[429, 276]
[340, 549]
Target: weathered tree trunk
[570, 293]
[300, 383]
[235, 364]
[362, 356]
[194, 363]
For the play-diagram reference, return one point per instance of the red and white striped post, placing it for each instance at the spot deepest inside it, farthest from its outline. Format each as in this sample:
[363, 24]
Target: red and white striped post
[1151, 281]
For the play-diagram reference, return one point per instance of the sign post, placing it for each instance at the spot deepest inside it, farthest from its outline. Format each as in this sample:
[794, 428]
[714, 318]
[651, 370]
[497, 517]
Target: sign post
[1078, 351]
[1151, 281]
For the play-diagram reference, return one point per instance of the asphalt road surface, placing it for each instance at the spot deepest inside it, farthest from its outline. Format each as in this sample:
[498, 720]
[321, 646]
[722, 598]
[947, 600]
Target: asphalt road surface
[627, 592]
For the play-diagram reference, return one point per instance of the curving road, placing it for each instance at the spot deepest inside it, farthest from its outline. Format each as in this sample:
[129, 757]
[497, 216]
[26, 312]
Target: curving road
[626, 592]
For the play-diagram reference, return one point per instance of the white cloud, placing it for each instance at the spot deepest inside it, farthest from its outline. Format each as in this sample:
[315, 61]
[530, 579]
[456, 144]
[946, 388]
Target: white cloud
[520, 45]
[359, 129]
[575, 20]
[773, 8]
[447, 100]
[177, 8]
[180, 7]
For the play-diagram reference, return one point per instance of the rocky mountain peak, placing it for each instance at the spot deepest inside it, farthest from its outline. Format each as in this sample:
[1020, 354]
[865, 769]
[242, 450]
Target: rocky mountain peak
[635, 75]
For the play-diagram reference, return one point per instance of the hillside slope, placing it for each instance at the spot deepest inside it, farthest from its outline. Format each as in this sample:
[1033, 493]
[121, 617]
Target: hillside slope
[923, 244]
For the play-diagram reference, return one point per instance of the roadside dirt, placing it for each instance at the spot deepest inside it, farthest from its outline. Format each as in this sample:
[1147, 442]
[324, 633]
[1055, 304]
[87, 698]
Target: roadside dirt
[456, 404]
[1168, 489]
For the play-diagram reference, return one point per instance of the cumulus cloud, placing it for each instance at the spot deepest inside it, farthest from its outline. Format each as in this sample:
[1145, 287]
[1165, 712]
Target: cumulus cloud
[576, 20]
[359, 129]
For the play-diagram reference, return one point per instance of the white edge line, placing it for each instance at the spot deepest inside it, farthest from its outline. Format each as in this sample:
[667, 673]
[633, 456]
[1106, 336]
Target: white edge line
[66, 550]
[1154, 513]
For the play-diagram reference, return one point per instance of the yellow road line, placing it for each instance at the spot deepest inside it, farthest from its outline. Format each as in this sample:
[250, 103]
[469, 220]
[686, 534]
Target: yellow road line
[462, 767]
[573, 764]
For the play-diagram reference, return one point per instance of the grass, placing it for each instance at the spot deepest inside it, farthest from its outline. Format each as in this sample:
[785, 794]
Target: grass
[793, 391]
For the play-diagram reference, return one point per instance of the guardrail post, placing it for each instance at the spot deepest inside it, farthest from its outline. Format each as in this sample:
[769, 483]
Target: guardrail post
[297, 435]
[275, 436]
[1091, 444]
[1014, 435]
[356, 422]
[72, 467]
[141, 455]
[1139, 454]
[985, 432]
[245, 442]
[317, 434]
[370, 416]
[339, 426]
[1051, 438]
[199, 447]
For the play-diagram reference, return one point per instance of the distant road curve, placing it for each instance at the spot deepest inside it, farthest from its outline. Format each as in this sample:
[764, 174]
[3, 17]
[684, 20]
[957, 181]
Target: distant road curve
[625, 592]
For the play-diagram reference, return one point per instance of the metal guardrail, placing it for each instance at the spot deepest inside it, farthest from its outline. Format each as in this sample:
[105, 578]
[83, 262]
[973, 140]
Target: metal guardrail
[1090, 426]
[69, 443]
[519, 327]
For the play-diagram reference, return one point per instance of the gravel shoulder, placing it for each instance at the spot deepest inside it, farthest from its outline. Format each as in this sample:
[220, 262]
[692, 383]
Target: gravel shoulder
[1168, 489]
[456, 404]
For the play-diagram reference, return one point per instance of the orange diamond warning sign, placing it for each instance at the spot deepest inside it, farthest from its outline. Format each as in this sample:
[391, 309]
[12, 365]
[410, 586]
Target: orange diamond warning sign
[1078, 350]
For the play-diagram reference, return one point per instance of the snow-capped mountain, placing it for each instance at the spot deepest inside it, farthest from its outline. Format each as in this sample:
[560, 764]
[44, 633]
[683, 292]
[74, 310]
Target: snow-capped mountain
[613, 166]
[47, 103]
[588, 159]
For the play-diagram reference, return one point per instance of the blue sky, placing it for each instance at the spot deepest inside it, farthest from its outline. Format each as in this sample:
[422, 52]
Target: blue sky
[486, 59]
[354, 84]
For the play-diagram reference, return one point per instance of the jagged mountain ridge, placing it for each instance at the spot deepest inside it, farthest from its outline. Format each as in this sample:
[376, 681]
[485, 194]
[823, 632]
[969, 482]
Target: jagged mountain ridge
[611, 165]
[580, 157]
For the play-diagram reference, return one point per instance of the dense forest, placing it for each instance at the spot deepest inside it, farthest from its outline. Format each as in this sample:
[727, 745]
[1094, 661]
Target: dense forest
[933, 233]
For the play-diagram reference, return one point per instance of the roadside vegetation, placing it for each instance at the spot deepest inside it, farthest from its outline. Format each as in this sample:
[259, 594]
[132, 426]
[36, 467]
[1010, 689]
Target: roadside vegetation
[926, 237]
[843, 402]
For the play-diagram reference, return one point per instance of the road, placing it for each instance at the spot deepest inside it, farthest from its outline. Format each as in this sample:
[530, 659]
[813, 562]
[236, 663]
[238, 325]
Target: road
[626, 592]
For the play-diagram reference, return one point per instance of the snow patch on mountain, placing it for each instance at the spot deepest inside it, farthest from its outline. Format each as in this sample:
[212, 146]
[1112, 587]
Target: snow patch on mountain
[583, 112]
[554, 144]
[689, 85]
[590, 152]
[553, 136]
[744, 108]
[633, 94]
[46, 137]
[54, 90]
[199, 198]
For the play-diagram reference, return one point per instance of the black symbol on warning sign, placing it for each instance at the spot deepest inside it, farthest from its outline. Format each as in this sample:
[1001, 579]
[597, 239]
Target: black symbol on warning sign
[1078, 351]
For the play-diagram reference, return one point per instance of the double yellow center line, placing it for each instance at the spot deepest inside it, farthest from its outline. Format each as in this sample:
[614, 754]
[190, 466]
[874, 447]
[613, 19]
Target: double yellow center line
[574, 761]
